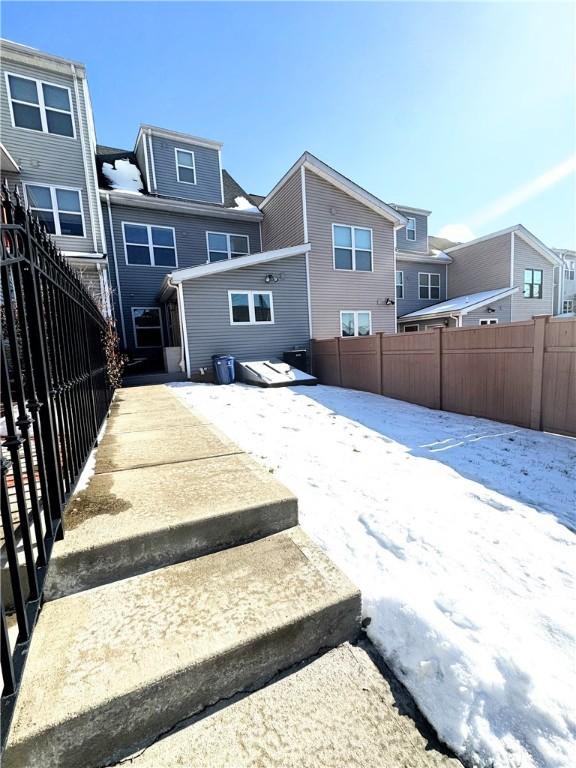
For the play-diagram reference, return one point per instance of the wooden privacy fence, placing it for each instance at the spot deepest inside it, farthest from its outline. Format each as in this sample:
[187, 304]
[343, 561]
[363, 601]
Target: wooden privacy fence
[523, 373]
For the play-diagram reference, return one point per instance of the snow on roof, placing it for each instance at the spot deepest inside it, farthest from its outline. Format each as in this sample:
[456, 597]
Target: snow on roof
[242, 204]
[123, 175]
[462, 304]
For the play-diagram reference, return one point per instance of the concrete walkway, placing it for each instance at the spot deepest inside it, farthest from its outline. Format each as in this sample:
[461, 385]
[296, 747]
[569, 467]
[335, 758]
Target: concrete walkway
[188, 618]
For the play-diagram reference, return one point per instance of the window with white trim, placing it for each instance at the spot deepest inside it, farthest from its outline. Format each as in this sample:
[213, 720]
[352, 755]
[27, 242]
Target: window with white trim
[147, 325]
[222, 246]
[488, 321]
[185, 166]
[533, 283]
[251, 307]
[569, 272]
[58, 208]
[399, 284]
[149, 245]
[355, 323]
[411, 228]
[40, 106]
[411, 328]
[352, 247]
[568, 305]
[428, 285]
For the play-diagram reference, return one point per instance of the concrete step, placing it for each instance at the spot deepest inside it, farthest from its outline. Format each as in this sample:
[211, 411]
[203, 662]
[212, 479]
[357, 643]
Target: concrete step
[337, 711]
[145, 379]
[132, 521]
[115, 666]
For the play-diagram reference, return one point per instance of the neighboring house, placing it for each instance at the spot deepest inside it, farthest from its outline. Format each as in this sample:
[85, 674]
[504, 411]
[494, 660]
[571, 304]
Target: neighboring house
[565, 282]
[499, 278]
[351, 263]
[48, 151]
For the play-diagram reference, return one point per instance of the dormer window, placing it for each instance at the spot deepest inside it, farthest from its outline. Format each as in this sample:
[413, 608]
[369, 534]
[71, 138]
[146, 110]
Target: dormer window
[185, 166]
[40, 106]
[411, 228]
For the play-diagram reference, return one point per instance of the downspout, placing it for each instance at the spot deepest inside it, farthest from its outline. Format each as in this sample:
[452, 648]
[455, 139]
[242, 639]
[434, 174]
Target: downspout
[185, 358]
[113, 243]
[458, 319]
[93, 218]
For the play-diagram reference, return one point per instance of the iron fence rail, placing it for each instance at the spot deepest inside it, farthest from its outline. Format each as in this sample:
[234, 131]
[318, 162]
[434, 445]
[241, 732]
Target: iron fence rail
[55, 396]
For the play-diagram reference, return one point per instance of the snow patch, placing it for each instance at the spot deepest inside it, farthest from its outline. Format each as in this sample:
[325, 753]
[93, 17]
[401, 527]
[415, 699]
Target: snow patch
[241, 204]
[459, 532]
[124, 176]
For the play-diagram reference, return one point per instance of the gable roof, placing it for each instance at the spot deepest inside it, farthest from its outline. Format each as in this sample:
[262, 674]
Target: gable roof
[460, 305]
[522, 232]
[332, 176]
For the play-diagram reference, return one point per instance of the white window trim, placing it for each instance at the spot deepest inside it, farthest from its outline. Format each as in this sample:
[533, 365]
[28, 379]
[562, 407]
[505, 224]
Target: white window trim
[178, 166]
[399, 284]
[153, 346]
[353, 249]
[55, 210]
[411, 229]
[355, 312]
[430, 286]
[488, 321]
[251, 311]
[541, 283]
[150, 246]
[567, 305]
[568, 274]
[41, 106]
[411, 325]
[228, 237]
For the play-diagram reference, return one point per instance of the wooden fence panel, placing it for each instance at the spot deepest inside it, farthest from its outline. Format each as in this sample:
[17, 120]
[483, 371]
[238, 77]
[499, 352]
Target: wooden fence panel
[326, 361]
[559, 377]
[359, 363]
[411, 367]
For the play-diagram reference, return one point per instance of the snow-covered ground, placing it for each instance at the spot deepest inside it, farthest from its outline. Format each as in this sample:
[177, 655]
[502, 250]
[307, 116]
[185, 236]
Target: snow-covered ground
[459, 532]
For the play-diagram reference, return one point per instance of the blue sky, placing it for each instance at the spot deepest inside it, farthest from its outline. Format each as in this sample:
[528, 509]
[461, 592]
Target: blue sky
[465, 109]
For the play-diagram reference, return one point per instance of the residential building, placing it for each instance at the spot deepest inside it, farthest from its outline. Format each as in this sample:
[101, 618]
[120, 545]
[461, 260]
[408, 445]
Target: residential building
[565, 282]
[48, 152]
[499, 278]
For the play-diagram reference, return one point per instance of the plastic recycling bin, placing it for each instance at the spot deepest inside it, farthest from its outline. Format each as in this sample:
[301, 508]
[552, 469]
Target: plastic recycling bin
[223, 369]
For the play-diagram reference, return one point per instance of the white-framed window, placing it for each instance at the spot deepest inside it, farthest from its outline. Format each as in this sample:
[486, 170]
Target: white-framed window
[149, 245]
[428, 285]
[569, 272]
[147, 325]
[222, 246]
[58, 208]
[533, 283]
[488, 321]
[355, 322]
[251, 307]
[40, 106]
[411, 228]
[411, 328]
[185, 166]
[568, 305]
[399, 284]
[352, 248]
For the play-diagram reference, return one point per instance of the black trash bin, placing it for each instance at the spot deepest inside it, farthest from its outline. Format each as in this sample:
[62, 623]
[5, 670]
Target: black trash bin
[297, 358]
[223, 366]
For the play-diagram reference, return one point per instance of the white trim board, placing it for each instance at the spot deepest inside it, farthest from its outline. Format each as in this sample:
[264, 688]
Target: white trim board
[177, 136]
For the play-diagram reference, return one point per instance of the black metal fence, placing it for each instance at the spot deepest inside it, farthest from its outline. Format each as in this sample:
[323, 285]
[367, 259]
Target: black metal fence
[55, 397]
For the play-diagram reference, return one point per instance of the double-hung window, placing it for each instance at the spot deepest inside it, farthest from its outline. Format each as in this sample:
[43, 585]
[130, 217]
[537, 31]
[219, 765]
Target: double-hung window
[533, 283]
[428, 285]
[569, 272]
[352, 248]
[399, 284]
[222, 246]
[568, 305]
[411, 228]
[149, 245]
[250, 307]
[185, 166]
[488, 321]
[40, 106]
[355, 323]
[58, 208]
[147, 326]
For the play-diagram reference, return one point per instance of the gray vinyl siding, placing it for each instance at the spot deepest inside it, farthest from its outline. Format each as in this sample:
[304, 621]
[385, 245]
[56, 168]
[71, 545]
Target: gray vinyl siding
[502, 314]
[335, 290]
[525, 257]
[283, 223]
[208, 318]
[48, 159]
[479, 267]
[420, 245]
[208, 185]
[412, 301]
[140, 285]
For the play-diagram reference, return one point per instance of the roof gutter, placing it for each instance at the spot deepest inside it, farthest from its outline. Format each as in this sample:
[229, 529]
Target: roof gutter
[177, 206]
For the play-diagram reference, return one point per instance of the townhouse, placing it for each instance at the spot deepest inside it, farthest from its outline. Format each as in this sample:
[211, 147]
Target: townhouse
[565, 282]
[48, 149]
